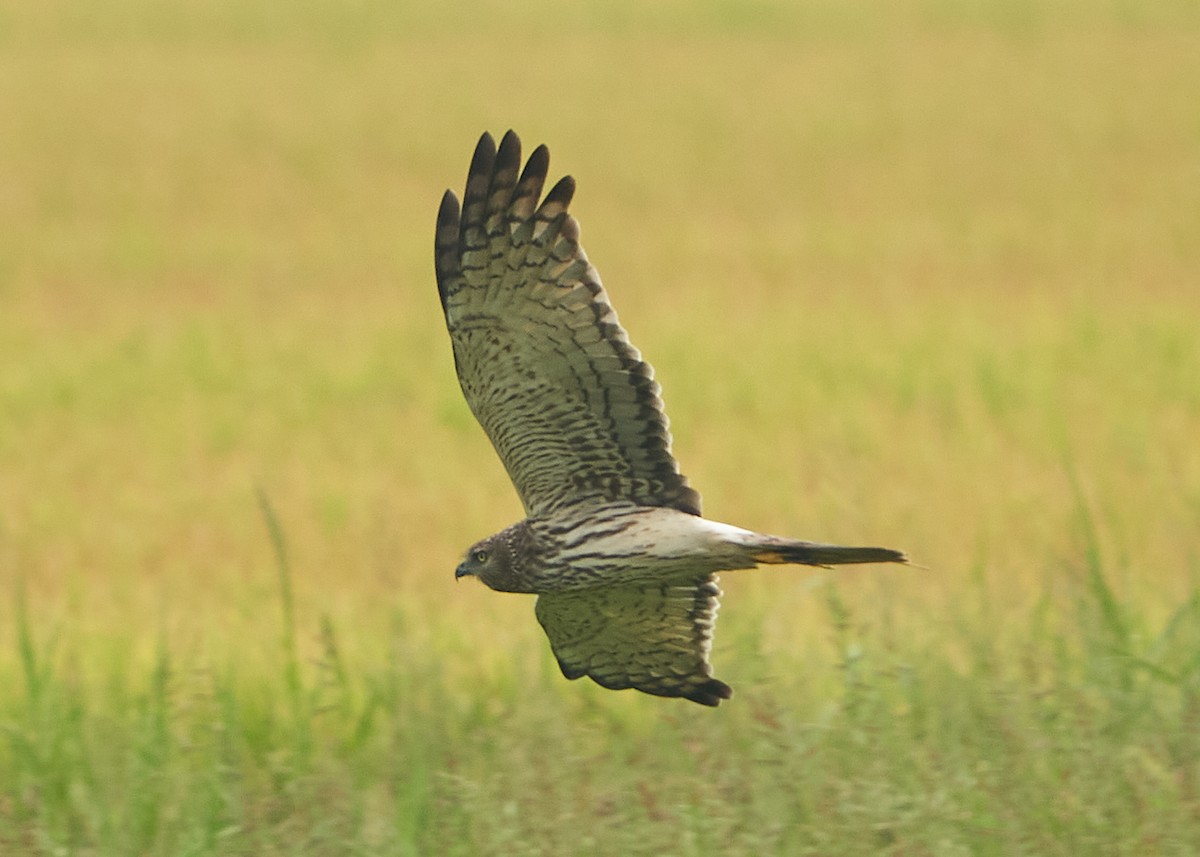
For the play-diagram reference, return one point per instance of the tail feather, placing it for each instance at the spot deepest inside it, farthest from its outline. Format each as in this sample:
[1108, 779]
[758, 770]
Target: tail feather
[776, 550]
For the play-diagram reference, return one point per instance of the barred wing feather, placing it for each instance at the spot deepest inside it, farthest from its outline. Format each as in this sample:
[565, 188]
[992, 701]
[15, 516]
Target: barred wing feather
[571, 408]
[655, 639]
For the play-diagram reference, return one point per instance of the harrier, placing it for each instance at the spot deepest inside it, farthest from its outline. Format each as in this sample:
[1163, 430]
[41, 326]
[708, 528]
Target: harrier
[613, 544]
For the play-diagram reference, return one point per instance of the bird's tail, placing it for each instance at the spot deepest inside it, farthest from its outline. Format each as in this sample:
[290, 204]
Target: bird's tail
[776, 550]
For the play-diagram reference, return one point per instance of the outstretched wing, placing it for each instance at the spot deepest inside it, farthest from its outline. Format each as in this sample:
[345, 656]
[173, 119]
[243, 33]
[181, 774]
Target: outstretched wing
[655, 639]
[572, 409]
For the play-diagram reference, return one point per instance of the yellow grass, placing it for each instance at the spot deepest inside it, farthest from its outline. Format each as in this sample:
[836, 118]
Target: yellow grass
[922, 276]
[893, 284]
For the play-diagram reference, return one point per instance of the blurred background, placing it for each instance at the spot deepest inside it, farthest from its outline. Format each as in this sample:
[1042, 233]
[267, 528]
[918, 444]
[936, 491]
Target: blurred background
[921, 274]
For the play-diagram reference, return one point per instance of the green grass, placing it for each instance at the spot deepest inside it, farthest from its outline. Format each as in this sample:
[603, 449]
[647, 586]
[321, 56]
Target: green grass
[922, 275]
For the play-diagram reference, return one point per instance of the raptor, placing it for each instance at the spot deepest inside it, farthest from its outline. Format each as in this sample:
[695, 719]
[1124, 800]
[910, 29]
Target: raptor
[613, 544]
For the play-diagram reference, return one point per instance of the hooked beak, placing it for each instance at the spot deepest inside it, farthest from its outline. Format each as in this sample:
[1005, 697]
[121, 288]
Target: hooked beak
[462, 571]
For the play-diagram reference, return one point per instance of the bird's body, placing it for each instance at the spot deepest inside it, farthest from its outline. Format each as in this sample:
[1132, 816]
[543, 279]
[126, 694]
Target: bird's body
[575, 552]
[613, 543]
[598, 546]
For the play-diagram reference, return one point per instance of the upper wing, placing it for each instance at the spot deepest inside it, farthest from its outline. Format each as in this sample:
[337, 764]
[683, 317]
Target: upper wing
[654, 638]
[570, 406]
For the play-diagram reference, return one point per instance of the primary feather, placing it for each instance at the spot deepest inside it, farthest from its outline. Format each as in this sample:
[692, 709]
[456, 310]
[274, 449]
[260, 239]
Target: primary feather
[572, 409]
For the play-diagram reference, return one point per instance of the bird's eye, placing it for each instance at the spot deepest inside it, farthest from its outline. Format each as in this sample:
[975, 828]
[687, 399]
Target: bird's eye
[481, 557]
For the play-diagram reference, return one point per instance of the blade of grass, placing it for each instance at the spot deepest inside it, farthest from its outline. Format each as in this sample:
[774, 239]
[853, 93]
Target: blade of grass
[292, 677]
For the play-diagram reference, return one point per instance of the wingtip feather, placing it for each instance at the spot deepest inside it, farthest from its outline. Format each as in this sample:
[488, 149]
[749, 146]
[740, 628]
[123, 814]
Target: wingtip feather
[560, 195]
[710, 693]
[529, 186]
[445, 242]
[510, 140]
[485, 151]
[539, 161]
[479, 174]
[448, 210]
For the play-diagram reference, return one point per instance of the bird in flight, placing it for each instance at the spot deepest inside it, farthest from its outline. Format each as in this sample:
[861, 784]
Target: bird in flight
[613, 543]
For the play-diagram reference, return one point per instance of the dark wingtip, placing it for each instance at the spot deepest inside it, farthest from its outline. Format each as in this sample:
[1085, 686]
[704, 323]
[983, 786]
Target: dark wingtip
[480, 172]
[538, 163]
[508, 159]
[569, 671]
[445, 243]
[510, 139]
[448, 210]
[562, 192]
[485, 150]
[710, 693]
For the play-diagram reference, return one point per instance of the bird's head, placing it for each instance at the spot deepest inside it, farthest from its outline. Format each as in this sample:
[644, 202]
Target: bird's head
[480, 557]
[491, 561]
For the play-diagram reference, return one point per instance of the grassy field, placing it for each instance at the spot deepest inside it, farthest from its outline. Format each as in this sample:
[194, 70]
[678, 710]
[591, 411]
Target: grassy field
[923, 274]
